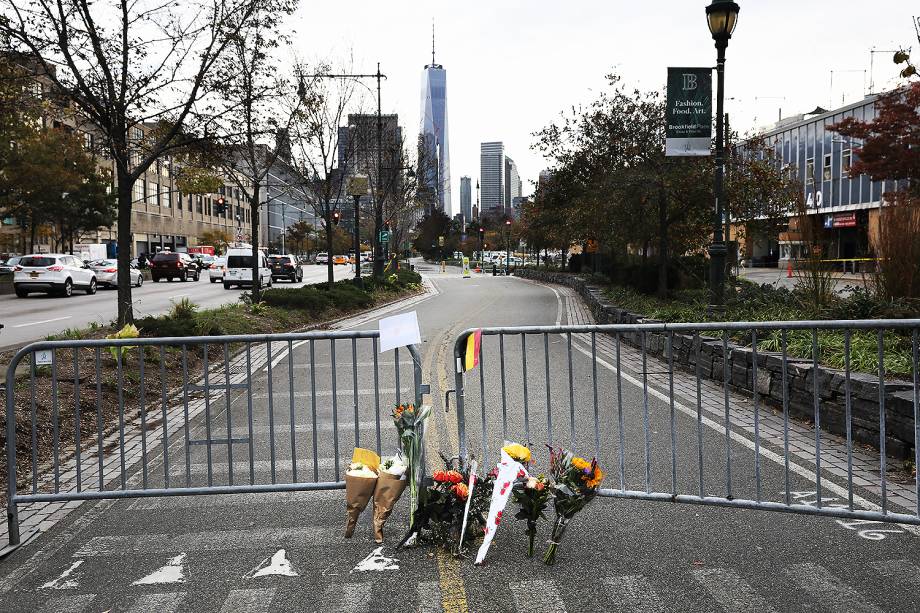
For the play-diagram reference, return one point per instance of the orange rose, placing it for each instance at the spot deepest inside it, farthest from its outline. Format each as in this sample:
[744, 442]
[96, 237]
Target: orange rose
[460, 491]
[440, 476]
[454, 477]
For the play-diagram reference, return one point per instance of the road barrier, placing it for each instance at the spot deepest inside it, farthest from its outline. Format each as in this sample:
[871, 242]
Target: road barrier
[145, 417]
[669, 428]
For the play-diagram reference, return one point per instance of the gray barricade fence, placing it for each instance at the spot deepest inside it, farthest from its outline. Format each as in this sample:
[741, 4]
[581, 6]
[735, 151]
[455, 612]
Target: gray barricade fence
[92, 419]
[648, 401]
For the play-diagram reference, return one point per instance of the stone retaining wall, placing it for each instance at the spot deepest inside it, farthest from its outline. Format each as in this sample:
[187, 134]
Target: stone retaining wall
[864, 388]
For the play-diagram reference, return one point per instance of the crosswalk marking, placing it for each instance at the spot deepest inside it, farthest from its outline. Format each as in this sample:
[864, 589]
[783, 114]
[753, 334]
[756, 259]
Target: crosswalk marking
[731, 591]
[217, 540]
[248, 601]
[429, 597]
[168, 602]
[172, 572]
[536, 597]
[68, 604]
[823, 586]
[632, 593]
[903, 571]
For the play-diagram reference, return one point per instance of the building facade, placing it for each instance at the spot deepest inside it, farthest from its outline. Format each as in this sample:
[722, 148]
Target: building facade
[466, 198]
[844, 211]
[492, 178]
[434, 143]
[513, 185]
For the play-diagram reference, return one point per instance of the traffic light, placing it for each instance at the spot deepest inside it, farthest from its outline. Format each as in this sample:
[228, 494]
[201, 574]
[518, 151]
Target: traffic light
[481, 230]
[335, 217]
[221, 206]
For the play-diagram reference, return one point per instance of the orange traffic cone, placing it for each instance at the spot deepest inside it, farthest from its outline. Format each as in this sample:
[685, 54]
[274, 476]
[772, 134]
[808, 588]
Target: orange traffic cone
[789, 271]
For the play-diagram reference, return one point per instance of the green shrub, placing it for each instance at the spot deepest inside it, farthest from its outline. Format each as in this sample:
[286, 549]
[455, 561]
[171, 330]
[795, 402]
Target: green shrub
[183, 309]
[309, 298]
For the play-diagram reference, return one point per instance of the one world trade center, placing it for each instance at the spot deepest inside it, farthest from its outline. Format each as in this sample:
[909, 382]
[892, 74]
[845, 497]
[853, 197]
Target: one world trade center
[434, 158]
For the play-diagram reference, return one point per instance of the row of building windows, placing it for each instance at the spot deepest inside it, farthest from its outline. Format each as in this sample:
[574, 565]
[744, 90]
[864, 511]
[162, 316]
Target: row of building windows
[157, 194]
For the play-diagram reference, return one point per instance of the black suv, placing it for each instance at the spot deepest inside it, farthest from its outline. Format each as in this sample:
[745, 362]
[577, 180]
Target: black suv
[285, 267]
[174, 266]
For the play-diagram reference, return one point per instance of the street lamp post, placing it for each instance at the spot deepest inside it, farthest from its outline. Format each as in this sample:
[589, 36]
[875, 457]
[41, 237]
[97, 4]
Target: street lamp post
[482, 261]
[507, 247]
[722, 16]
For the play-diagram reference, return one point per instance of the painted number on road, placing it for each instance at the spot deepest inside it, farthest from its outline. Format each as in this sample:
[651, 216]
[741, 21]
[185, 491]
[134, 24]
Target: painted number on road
[877, 532]
[44, 357]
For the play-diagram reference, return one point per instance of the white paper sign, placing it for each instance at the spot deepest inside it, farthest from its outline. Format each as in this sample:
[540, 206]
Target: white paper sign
[43, 357]
[399, 331]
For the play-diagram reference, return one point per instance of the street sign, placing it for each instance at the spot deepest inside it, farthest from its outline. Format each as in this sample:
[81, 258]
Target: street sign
[384, 236]
[689, 112]
[466, 267]
[440, 241]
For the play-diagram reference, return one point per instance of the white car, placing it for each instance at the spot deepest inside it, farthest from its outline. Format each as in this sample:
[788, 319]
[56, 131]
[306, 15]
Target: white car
[107, 274]
[239, 269]
[322, 257]
[217, 270]
[53, 273]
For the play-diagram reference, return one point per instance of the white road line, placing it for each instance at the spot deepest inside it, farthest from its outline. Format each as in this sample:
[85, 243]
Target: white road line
[536, 597]
[250, 601]
[354, 598]
[429, 597]
[64, 582]
[217, 540]
[44, 321]
[825, 587]
[168, 602]
[172, 572]
[731, 591]
[68, 604]
[631, 593]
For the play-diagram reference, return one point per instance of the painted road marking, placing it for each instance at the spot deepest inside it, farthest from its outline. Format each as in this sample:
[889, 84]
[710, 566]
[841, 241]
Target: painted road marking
[376, 561]
[172, 572]
[731, 591]
[429, 597]
[631, 593]
[68, 604]
[354, 598]
[825, 587]
[168, 602]
[536, 597]
[44, 321]
[251, 601]
[218, 540]
[64, 582]
[277, 564]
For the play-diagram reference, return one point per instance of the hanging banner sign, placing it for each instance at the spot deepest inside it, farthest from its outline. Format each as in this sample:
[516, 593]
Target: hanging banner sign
[689, 112]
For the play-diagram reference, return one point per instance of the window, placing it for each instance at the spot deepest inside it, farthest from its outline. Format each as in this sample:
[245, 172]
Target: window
[88, 141]
[198, 206]
[846, 161]
[151, 192]
[137, 191]
[827, 167]
[809, 171]
[208, 207]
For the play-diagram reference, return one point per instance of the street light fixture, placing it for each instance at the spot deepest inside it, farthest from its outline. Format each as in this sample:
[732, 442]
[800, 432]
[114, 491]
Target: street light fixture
[507, 247]
[722, 16]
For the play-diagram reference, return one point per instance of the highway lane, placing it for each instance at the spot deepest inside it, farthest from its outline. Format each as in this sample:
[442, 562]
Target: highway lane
[38, 316]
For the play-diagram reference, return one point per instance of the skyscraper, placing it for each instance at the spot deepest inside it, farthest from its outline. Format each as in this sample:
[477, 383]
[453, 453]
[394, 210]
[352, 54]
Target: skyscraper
[466, 198]
[513, 185]
[492, 176]
[434, 156]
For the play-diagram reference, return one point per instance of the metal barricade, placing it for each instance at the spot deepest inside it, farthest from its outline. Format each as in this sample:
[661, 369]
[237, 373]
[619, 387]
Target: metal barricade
[700, 412]
[198, 415]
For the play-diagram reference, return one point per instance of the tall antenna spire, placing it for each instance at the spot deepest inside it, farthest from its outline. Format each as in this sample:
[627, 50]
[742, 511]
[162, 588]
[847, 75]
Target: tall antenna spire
[432, 41]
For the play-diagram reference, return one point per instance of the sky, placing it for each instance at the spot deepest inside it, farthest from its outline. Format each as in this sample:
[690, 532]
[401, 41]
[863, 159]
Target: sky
[514, 65]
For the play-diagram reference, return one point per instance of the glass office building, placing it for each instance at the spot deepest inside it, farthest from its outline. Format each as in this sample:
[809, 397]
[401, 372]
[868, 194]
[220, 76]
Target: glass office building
[434, 139]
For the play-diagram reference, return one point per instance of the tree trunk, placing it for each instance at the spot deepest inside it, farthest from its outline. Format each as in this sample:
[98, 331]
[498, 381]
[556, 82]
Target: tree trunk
[662, 246]
[125, 304]
[254, 216]
[330, 260]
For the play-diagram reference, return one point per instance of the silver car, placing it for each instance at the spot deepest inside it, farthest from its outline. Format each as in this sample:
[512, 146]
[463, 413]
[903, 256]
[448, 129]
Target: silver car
[107, 274]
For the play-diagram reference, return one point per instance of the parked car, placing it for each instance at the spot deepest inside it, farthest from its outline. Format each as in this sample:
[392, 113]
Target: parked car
[367, 256]
[285, 267]
[340, 259]
[107, 273]
[169, 265]
[239, 269]
[322, 257]
[217, 270]
[10, 265]
[53, 273]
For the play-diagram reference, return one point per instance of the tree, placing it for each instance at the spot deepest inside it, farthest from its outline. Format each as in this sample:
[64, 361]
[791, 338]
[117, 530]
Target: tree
[219, 239]
[298, 234]
[137, 72]
[247, 80]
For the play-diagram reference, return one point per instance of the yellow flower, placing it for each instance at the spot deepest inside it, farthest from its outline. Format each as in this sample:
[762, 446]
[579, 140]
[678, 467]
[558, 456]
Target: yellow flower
[580, 463]
[596, 479]
[518, 452]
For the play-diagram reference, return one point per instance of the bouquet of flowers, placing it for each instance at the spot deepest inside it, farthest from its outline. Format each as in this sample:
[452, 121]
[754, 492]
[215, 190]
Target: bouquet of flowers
[508, 471]
[532, 496]
[442, 507]
[576, 483]
[360, 482]
[410, 423]
[391, 482]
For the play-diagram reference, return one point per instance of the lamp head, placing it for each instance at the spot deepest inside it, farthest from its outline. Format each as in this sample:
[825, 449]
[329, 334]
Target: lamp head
[722, 16]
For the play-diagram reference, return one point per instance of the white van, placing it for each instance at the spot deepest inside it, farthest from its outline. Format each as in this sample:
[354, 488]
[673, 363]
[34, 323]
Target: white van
[239, 269]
